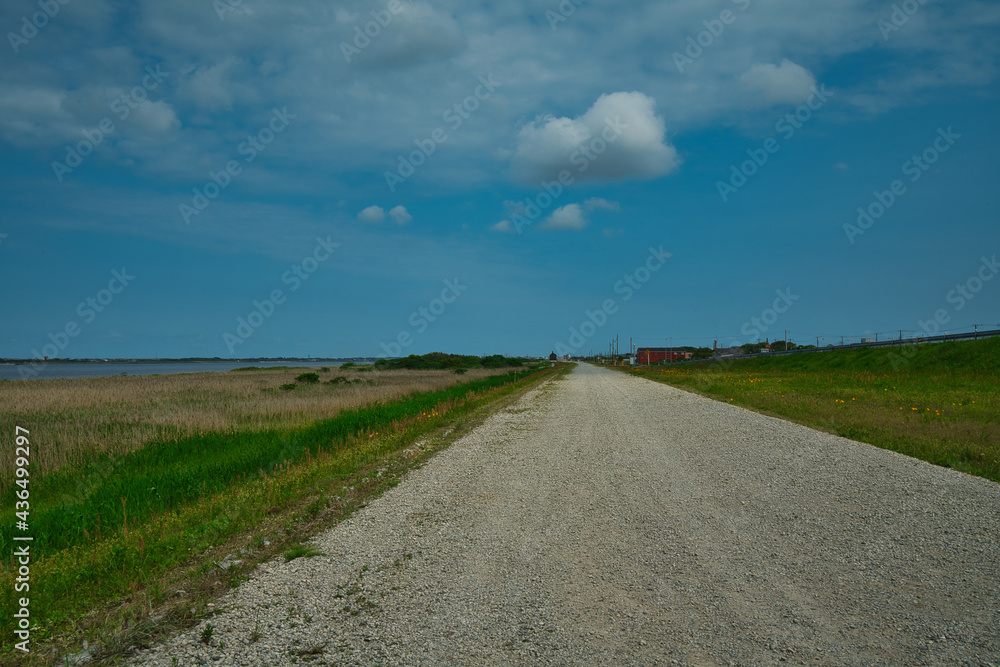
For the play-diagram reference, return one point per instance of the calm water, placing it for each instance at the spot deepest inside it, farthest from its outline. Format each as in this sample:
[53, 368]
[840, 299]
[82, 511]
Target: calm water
[11, 372]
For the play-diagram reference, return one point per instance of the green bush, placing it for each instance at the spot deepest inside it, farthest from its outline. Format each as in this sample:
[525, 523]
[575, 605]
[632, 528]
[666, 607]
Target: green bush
[289, 386]
[311, 378]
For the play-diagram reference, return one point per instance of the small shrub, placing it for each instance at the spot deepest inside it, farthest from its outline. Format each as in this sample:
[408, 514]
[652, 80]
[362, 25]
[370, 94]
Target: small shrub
[349, 364]
[311, 378]
[325, 369]
[206, 634]
[340, 379]
[289, 386]
[301, 551]
[461, 371]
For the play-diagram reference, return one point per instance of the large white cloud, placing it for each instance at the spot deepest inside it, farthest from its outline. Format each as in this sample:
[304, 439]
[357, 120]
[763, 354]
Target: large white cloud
[619, 137]
[766, 84]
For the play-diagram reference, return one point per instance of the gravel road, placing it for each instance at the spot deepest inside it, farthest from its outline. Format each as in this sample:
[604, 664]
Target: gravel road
[609, 520]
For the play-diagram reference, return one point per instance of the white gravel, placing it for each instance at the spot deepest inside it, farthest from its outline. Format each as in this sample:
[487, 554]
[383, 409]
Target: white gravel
[609, 520]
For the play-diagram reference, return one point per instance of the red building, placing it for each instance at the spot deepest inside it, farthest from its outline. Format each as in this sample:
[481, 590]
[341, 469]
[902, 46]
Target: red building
[654, 355]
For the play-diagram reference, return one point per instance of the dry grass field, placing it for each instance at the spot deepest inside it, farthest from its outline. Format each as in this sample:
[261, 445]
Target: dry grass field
[72, 419]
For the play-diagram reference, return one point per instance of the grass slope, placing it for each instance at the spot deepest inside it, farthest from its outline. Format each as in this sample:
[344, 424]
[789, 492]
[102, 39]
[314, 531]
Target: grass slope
[114, 538]
[936, 402]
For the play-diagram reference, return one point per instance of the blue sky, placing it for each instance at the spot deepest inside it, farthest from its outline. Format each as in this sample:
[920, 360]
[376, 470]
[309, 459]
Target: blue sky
[268, 180]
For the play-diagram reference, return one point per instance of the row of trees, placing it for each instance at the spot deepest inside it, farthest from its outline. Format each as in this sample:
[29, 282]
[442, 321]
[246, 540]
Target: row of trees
[440, 360]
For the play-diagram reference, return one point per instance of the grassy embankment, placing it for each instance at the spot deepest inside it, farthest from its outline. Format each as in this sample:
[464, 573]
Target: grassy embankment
[937, 402]
[246, 468]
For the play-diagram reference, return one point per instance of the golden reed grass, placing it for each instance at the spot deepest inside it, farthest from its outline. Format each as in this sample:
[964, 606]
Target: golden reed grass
[73, 419]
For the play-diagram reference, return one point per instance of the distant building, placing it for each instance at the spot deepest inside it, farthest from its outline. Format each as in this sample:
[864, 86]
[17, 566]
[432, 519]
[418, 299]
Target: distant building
[654, 355]
[553, 357]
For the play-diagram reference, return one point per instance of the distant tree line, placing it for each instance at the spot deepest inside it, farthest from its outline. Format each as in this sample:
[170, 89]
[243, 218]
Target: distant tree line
[440, 360]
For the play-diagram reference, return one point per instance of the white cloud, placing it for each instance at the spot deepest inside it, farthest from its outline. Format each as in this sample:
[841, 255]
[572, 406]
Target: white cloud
[417, 33]
[503, 226]
[211, 88]
[569, 216]
[595, 203]
[619, 137]
[155, 117]
[400, 215]
[372, 215]
[787, 83]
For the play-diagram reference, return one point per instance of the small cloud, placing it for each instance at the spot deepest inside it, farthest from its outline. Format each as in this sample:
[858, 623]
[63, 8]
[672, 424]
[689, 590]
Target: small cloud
[400, 215]
[841, 166]
[514, 207]
[346, 17]
[503, 226]
[372, 215]
[786, 83]
[569, 216]
[595, 203]
[611, 233]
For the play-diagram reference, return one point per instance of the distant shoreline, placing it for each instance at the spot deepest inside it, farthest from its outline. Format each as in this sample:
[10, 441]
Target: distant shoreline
[182, 360]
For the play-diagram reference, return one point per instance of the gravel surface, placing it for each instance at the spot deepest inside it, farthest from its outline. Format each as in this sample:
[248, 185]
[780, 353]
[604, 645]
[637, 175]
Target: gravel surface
[609, 520]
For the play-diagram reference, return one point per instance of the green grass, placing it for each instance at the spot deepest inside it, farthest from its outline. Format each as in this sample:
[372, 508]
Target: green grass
[937, 402]
[301, 551]
[112, 538]
[74, 506]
